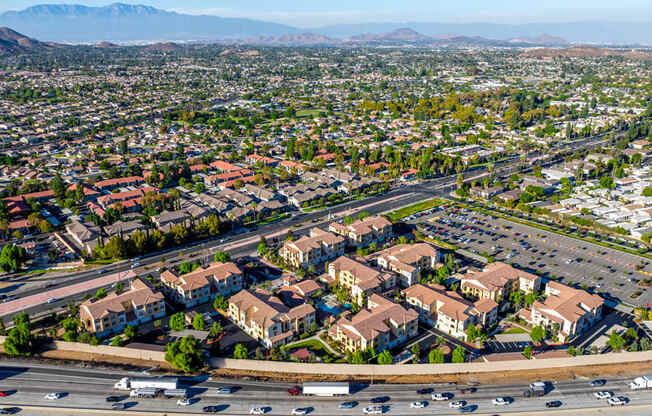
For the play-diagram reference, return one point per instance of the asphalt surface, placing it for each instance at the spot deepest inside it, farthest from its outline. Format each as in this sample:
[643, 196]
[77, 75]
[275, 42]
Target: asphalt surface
[588, 265]
[245, 243]
[87, 389]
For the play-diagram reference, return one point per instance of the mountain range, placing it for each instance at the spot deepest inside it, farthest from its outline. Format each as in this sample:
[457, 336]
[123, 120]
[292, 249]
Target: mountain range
[125, 23]
[12, 42]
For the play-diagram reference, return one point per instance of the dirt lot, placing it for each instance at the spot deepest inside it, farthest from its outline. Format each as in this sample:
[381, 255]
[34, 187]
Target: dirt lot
[507, 377]
[98, 358]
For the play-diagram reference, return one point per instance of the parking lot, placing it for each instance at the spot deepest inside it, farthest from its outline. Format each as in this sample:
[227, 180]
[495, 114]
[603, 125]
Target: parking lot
[574, 262]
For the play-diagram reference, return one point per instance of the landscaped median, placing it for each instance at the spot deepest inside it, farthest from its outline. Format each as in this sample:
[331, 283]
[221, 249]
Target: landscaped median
[414, 209]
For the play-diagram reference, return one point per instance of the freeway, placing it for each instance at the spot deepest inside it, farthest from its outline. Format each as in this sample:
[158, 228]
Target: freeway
[28, 384]
[243, 243]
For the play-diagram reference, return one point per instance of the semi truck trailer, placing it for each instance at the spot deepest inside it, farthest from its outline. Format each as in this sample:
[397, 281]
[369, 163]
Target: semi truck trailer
[326, 389]
[642, 382]
[131, 383]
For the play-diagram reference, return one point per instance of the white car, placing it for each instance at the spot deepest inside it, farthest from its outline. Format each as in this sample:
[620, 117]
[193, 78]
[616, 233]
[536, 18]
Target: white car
[183, 402]
[373, 410]
[299, 411]
[602, 395]
[53, 396]
[438, 397]
[617, 401]
[456, 405]
[418, 405]
[52, 300]
[257, 411]
[500, 401]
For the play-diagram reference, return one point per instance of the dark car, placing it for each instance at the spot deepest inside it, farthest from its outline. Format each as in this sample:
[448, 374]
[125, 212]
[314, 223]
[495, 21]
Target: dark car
[555, 403]
[347, 405]
[113, 399]
[381, 399]
[467, 390]
[598, 383]
[466, 409]
[425, 391]
[210, 409]
[9, 410]
[294, 391]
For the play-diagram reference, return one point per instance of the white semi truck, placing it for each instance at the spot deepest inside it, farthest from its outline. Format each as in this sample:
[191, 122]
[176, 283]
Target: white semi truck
[133, 383]
[326, 389]
[642, 382]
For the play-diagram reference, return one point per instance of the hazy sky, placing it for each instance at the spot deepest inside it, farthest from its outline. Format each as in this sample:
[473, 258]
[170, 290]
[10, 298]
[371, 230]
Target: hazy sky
[312, 13]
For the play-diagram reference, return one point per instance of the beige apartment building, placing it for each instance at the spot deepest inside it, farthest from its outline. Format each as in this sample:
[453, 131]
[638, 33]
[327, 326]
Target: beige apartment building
[359, 278]
[202, 284]
[263, 316]
[317, 248]
[408, 260]
[110, 315]
[497, 280]
[362, 233]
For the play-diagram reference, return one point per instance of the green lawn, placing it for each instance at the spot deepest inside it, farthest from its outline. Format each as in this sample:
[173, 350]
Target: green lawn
[314, 346]
[309, 113]
[515, 330]
[413, 209]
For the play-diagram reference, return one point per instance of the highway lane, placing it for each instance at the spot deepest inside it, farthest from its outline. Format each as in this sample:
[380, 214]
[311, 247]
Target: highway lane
[88, 388]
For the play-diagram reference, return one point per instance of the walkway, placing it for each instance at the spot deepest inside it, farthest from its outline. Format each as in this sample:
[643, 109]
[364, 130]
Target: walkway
[316, 337]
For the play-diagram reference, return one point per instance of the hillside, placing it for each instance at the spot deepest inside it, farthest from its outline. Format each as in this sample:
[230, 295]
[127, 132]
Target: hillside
[12, 42]
[584, 52]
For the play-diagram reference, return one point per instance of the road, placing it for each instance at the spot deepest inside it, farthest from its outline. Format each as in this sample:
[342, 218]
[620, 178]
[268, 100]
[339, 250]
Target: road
[300, 223]
[87, 389]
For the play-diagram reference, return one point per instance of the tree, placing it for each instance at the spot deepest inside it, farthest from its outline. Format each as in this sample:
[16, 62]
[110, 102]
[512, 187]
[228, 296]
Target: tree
[100, 294]
[385, 357]
[537, 334]
[472, 332]
[131, 332]
[222, 257]
[240, 352]
[416, 350]
[262, 247]
[220, 303]
[117, 341]
[187, 267]
[516, 297]
[19, 339]
[616, 342]
[178, 321]
[12, 258]
[185, 354]
[216, 330]
[198, 322]
[435, 356]
[459, 355]
[571, 351]
[530, 298]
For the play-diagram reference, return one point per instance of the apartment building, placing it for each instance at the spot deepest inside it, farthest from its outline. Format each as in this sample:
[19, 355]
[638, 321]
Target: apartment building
[319, 247]
[363, 232]
[448, 311]
[570, 311]
[110, 315]
[359, 278]
[408, 260]
[264, 317]
[383, 325]
[497, 280]
[203, 284]
[109, 184]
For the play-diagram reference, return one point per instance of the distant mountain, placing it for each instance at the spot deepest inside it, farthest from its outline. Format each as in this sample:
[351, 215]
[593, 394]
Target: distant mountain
[131, 23]
[13, 42]
[578, 32]
[404, 35]
[585, 52]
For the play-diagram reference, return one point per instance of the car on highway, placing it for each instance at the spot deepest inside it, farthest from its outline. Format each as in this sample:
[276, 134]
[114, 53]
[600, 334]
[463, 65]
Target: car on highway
[553, 404]
[438, 397]
[118, 406]
[347, 405]
[294, 391]
[418, 405]
[501, 401]
[424, 391]
[184, 402]
[9, 410]
[257, 411]
[602, 395]
[466, 409]
[299, 411]
[617, 401]
[457, 404]
[53, 396]
[210, 409]
[373, 410]
[381, 399]
[4, 393]
[113, 399]
[224, 390]
[133, 266]
[597, 383]
[52, 300]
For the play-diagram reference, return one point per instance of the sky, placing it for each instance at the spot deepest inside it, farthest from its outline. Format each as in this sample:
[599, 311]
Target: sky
[315, 13]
